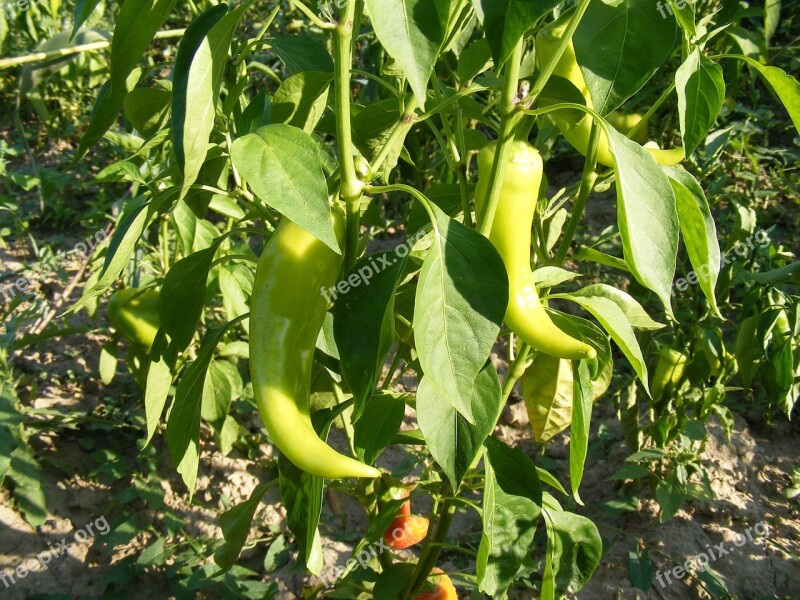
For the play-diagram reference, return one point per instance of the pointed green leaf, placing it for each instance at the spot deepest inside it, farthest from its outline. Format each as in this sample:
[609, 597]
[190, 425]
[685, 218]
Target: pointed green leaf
[701, 93]
[461, 299]
[452, 440]
[282, 165]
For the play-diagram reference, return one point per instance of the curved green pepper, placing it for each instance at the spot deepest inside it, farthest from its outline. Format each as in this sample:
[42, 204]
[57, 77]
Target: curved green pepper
[134, 313]
[286, 315]
[511, 235]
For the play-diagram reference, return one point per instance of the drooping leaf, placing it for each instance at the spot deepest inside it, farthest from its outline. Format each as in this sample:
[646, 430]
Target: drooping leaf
[378, 425]
[282, 165]
[574, 549]
[183, 296]
[183, 425]
[512, 504]
[364, 322]
[701, 93]
[636, 315]
[645, 197]
[615, 322]
[619, 46]
[301, 100]
[506, 21]
[412, 32]
[461, 299]
[581, 420]
[452, 440]
[235, 525]
[785, 87]
[699, 232]
[136, 25]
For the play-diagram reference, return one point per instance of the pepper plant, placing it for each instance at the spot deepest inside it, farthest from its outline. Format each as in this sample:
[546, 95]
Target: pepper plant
[296, 147]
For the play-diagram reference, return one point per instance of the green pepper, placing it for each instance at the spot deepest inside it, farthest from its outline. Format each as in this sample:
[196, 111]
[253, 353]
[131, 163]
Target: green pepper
[577, 133]
[511, 235]
[134, 313]
[286, 315]
[669, 371]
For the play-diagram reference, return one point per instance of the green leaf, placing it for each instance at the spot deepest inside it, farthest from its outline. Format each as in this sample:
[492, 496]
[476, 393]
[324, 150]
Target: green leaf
[699, 232]
[701, 93]
[235, 524]
[474, 60]
[452, 440]
[183, 424]
[28, 490]
[159, 379]
[619, 47]
[183, 296]
[223, 385]
[772, 18]
[461, 299]
[136, 25]
[197, 79]
[512, 504]
[108, 361]
[83, 10]
[301, 100]
[302, 496]
[145, 108]
[636, 315]
[194, 98]
[581, 421]
[302, 53]
[746, 349]
[785, 87]
[547, 390]
[645, 197]
[373, 126]
[378, 425]
[282, 165]
[120, 249]
[640, 569]
[364, 322]
[506, 21]
[670, 494]
[574, 549]
[615, 322]
[412, 32]
[549, 479]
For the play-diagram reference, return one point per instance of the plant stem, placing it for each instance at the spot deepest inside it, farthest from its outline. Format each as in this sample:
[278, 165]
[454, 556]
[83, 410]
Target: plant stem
[311, 15]
[509, 117]
[65, 52]
[401, 129]
[588, 180]
[343, 59]
[646, 119]
[516, 370]
[351, 186]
